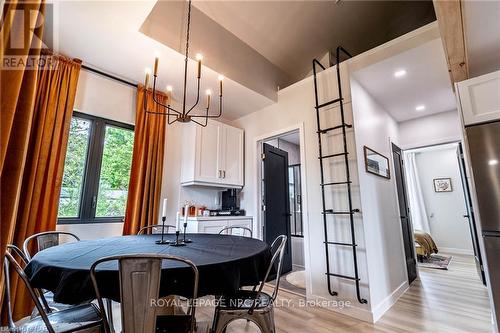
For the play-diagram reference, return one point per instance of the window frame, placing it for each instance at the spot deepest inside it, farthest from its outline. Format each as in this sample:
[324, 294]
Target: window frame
[92, 172]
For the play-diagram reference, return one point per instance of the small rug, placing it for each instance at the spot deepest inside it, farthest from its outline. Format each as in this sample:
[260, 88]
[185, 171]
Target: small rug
[436, 261]
[297, 279]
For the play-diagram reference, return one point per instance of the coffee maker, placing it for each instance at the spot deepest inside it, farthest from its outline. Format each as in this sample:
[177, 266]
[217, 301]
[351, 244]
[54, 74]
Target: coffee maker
[229, 204]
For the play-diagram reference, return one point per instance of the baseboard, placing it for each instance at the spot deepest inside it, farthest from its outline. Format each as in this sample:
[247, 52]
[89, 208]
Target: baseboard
[351, 311]
[389, 301]
[452, 250]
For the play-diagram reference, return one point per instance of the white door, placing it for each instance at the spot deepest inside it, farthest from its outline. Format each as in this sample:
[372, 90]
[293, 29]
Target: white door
[233, 156]
[209, 140]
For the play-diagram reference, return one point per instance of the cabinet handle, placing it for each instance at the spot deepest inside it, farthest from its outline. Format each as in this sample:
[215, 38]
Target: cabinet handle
[223, 173]
[220, 173]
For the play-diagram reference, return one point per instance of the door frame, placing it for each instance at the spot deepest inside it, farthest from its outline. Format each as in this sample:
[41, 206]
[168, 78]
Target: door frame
[258, 225]
[412, 239]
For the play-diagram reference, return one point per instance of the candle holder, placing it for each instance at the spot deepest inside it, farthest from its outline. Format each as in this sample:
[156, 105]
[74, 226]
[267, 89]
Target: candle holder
[177, 241]
[163, 240]
[184, 237]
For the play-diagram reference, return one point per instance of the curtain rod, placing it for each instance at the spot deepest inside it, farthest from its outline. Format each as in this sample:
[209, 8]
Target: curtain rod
[109, 76]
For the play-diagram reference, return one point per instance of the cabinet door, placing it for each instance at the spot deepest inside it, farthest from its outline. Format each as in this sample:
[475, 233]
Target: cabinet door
[480, 98]
[211, 227]
[247, 223]
[232, 156]
[208, 141]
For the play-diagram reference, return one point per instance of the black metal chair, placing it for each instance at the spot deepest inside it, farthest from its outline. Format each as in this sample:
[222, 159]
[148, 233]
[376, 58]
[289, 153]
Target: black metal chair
[242, 231]
[80, 318]
[155, 229]
[141, 273]
[252, 305]
[44, 240]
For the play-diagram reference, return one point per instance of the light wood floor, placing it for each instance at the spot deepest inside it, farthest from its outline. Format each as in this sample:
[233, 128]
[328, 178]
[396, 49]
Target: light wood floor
[452, 301]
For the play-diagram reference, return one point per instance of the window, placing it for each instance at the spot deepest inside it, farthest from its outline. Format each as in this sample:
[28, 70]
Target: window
[96, 170]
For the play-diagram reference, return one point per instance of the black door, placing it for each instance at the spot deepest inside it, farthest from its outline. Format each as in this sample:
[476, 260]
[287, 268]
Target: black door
[407, 227]
[276, 199]
[469, 215]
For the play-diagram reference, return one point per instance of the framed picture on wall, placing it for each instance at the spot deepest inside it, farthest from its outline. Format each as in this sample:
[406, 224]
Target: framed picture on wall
[376, 163]
[442, 185]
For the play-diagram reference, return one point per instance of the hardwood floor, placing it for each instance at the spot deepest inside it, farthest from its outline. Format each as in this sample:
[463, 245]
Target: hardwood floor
[451, 301]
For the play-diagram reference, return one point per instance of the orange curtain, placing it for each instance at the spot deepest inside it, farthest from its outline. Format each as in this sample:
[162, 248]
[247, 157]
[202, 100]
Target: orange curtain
[17, 97]
[147, 164]
[44, 162]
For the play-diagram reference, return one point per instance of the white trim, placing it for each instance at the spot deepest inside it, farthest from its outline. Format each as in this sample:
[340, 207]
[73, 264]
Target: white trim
[453, 250]
[389, 301]
[305, 198]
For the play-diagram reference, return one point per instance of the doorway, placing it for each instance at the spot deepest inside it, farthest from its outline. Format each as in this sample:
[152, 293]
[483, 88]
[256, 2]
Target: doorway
[404, 211]
[282, 203]
[439, 206]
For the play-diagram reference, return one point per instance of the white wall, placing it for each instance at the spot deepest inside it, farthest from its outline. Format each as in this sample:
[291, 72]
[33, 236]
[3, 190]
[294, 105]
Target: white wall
[295, 108]
[103, 97]
[449, 229]
[439, 128]
[375, 128]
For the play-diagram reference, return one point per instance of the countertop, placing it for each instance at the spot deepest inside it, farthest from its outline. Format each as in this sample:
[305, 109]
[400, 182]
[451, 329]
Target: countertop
[218, 218]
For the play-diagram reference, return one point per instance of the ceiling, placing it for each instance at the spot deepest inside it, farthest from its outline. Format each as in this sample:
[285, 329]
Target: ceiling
[293, 137]
[260, 46]
[482, 27]
[113, 43]
[291, 33]
[426, 82]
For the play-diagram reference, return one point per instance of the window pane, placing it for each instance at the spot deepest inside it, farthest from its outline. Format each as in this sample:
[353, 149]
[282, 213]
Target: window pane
[74, 168]
[115, 172]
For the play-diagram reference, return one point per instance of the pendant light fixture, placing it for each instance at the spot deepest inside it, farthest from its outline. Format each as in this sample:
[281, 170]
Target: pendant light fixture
[185, 114]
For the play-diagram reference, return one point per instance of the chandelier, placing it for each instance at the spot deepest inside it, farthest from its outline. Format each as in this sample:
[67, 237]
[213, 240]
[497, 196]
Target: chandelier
[186, 114]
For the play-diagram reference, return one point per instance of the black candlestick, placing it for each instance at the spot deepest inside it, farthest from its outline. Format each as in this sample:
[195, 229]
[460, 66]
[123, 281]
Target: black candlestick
[177, 241]
[162, 240]
[186, 240]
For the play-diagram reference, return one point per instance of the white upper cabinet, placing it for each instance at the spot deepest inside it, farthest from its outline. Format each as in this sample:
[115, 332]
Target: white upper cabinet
[479, 98]
[232, 156]
[212, 155]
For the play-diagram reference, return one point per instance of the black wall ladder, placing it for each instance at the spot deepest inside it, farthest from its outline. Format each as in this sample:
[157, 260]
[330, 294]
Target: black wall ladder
[345, 154]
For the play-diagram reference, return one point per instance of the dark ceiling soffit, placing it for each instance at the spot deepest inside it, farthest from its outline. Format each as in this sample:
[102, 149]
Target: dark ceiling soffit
[222, 51]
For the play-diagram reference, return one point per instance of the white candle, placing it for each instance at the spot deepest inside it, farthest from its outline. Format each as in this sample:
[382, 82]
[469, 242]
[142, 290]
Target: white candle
[186, 213]
[164, 212]
[177, 220]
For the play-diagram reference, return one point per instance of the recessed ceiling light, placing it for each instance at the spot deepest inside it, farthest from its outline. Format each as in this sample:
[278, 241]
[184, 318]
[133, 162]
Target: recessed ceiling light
[420, 108]
[492, 162]
[400, 73]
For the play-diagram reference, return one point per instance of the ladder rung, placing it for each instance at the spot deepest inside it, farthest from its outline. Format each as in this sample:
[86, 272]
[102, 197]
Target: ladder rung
[333, 101]
[336, 183]
[331, 211]
[342, 244]
[343, 276]
[326, 130]
[334, 155]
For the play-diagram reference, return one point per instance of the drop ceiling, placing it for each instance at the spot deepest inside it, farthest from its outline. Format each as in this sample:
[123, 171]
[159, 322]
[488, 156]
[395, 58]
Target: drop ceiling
[426, 82]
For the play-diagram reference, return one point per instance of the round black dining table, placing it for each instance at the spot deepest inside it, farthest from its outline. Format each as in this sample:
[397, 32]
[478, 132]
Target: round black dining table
[225, 264]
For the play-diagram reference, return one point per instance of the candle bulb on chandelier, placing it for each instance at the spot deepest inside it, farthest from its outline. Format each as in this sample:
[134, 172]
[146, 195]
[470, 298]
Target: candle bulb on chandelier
[209, 93]
[221, 77]
[157, 58]
[169, 94]
[146, 81]
[199, 57]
